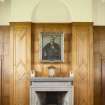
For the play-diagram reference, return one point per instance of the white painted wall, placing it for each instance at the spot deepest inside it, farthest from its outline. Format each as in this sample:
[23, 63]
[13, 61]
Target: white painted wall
[52, 11]
[21, 10]
[40, 11]
[5, 12]
[99, 12]
[81, 10]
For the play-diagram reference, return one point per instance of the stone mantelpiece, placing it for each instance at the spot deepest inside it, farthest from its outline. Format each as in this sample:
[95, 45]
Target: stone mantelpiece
[52, 79]
[51, 85]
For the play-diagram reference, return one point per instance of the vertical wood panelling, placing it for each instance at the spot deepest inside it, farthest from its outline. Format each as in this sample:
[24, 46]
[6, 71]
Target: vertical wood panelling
[4, 66]
[78, 43]
[63, 68]
[97, 79]
[103, 81]
[99, 65]
[1, 35]
[20, 62]
[82, 62]
[0, 84]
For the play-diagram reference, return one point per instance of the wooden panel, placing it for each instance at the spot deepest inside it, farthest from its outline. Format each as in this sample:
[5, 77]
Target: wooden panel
[20, 62]
[1, 35]
[97, 79]
[63, 68]
[82, 62]
[0, 84]
[99, 64]
[103, 82]
[4, 66]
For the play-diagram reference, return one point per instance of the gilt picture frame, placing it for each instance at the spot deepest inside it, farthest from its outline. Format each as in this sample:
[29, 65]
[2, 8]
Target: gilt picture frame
[52, 47]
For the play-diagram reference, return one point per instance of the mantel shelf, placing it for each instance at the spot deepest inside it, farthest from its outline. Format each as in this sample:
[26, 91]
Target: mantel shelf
[52, 79]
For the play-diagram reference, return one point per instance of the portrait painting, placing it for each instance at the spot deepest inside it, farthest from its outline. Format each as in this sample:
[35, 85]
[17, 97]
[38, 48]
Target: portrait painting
[52, 47]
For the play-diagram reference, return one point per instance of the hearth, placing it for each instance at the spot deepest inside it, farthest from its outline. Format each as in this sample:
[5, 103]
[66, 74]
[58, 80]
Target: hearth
[51, 91]
[51, 98]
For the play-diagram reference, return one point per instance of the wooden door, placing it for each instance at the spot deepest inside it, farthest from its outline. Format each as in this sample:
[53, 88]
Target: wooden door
[97, 78]
[103, 81]
[99, 85]
[99, 65]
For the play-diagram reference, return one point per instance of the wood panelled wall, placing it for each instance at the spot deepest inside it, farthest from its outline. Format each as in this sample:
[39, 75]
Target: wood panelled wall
[78, 57]
[20, 37]
[63, 68]
[99, 65]
[4, 66]
[82, 62]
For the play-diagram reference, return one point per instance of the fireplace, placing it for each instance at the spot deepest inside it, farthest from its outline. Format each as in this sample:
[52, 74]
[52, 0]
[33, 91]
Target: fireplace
[51, 91]
[51, 98]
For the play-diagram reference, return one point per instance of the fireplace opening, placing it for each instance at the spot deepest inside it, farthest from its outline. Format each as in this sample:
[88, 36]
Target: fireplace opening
[51, 98]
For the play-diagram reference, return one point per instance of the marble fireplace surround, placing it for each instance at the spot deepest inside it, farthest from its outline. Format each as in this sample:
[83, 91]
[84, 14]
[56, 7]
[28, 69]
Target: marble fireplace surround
[51, 84]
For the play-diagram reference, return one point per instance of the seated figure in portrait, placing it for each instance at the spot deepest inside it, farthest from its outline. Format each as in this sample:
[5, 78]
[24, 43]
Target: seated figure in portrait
[51, 51]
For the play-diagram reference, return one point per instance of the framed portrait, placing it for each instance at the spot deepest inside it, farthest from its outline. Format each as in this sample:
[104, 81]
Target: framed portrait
[52, 46]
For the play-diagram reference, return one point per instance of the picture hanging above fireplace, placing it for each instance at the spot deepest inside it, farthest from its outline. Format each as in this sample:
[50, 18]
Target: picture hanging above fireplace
[52, 46]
